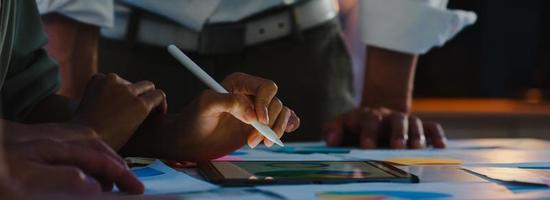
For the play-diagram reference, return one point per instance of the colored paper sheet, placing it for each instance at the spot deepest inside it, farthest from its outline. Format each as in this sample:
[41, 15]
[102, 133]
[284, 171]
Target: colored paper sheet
[311, 150]
[375, 191]
[424, 161]
[158, 178]
[530, 176]
[467, 157]
[266, 155]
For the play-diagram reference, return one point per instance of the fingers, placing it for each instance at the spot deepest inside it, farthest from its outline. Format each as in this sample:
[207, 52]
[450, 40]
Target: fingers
[254, 138]
[213, 104]
[142, 87]
[275, 108]
[333, 132]
[95, 163]
[371, 125]
[417, 140]
[263, 91]
[293, 122]
[100, 146]
[63, 179]
[153, 99]
[435, 135]
[399, 125]
[280, 125]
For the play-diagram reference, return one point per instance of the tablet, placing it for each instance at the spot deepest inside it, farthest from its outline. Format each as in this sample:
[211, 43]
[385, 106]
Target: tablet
[238, 173]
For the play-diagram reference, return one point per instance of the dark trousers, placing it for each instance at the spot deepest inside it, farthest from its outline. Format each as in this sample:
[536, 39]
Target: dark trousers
[313, 73]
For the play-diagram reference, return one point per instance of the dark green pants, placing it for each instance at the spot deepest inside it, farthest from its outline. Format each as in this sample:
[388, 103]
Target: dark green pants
[313, 73]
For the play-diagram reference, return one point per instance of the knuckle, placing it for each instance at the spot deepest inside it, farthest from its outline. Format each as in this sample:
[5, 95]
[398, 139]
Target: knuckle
[370, 116]
[239, 99]
[271, 86]
[112, 77]
[74, 175]
[277, 103]
[238, 75]
[286, 111]
[149, 83]
[128, 88]
[399, 115]
[161, 92]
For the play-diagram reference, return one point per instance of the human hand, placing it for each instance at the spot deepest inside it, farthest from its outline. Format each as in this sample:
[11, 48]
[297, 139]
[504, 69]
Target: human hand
[9, 189]
[115, 108]
[216, 124]
[79, 166]
[374, 128]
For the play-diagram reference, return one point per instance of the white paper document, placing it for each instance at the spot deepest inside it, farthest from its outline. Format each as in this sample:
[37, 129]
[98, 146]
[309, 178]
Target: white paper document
[532, 176]
[392, 191]
[161, 179]
[465, 157]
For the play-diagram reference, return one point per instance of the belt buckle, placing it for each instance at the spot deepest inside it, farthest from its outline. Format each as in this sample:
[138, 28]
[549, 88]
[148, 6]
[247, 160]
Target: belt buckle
[222, 38]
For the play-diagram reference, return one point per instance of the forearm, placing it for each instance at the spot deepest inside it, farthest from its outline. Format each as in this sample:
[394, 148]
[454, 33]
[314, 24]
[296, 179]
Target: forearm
[74, 46]
[389, 79]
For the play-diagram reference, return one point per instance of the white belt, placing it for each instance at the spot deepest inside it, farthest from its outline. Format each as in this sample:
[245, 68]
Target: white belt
[163, 33]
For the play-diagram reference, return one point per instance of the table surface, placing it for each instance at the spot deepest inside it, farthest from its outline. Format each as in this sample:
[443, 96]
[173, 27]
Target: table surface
[427, 174]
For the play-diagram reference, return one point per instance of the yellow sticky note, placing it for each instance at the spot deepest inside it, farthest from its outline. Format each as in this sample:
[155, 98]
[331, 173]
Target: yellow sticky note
[424, 161]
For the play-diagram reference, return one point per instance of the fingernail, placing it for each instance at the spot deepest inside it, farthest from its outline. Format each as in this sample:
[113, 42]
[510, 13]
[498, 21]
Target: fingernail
[265, 119]
[268, 143]
[289, 127]
[91, 185]
[255, 141]
[399, 144]
[417, 144]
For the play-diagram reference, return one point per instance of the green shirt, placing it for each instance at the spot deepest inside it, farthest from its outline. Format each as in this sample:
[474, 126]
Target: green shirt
[27, 74]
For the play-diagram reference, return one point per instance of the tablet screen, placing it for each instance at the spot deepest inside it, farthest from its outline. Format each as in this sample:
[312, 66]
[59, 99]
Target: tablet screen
[300, 170]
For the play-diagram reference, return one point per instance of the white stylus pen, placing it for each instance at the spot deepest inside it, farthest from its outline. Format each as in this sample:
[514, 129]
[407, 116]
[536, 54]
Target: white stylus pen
[208, 80]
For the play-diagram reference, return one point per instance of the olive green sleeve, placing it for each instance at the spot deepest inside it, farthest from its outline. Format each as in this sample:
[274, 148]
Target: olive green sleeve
[32, 75]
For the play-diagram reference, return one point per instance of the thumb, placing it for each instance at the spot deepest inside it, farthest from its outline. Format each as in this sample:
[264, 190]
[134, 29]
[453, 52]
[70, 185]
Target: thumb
[238, 105]
[333, 132]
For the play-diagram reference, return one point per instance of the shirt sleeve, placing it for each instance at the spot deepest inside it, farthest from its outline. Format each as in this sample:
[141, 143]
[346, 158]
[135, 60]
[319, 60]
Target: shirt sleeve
[410, 26]
[32, 75]
[94, 12]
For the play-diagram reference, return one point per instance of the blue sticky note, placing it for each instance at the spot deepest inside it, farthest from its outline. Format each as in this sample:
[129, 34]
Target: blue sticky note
[146, 172]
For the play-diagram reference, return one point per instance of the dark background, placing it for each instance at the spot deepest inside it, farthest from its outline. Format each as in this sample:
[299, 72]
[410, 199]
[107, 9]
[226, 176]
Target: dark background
[506, 52]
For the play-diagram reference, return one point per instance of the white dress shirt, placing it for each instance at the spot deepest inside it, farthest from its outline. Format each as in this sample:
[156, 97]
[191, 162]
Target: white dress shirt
[410, 26]
[94, 12]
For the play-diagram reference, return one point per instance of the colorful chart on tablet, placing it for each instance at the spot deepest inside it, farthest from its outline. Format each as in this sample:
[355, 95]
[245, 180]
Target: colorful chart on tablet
[301, 170]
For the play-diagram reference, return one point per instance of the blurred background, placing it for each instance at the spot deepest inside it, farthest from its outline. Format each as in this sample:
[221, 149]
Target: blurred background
[492, 80]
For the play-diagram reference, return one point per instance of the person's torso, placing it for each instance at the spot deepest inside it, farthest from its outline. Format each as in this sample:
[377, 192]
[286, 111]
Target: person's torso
[194, 14]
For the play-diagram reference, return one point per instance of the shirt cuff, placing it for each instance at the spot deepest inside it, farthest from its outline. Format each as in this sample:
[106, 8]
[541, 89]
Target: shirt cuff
[411, 26]
[95, 12]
